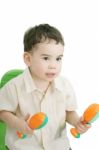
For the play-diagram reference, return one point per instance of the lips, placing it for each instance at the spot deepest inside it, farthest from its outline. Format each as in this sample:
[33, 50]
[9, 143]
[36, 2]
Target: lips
[50, 75]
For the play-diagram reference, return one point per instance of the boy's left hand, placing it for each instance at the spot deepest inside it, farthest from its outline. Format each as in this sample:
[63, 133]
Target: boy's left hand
[81, 127]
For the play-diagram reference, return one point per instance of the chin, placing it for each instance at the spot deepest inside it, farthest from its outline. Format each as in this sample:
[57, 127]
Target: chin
[51, 79]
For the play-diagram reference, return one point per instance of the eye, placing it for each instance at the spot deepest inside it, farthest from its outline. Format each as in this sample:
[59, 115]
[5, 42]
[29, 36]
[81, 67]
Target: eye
[59, 59]
[45, 58]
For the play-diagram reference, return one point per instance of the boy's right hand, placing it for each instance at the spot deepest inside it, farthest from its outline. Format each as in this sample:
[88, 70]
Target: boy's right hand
[23, 126]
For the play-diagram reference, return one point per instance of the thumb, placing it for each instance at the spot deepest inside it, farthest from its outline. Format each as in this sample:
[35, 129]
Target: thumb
[27, 117]
[82, 120]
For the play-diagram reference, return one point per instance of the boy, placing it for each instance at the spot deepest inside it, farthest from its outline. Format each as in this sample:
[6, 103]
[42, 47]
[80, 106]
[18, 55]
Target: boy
[40, 88]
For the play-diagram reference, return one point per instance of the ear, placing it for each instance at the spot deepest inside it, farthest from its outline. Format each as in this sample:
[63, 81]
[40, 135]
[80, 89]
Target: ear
[27, 58]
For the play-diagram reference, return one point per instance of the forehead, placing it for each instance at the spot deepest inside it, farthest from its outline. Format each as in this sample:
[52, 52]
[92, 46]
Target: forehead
[49, 47]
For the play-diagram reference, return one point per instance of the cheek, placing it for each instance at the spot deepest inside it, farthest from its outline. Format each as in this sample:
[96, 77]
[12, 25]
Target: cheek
[58, 69]
[39, 67]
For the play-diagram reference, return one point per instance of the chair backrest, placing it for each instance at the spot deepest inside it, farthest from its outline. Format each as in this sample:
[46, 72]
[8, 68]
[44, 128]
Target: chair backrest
[6, 77]
[9, 75]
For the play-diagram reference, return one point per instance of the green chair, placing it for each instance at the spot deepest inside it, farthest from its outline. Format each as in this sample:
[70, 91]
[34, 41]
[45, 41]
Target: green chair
[6, 77]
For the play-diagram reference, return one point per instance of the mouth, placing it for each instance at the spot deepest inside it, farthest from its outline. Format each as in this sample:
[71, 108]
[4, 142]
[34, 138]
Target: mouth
[50, 75]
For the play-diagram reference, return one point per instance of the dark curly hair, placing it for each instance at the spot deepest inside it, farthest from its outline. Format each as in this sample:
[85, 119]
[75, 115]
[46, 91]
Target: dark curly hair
[40, 33]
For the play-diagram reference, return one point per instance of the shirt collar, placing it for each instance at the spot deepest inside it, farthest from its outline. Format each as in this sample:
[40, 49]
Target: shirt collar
[58, 85]
[29, 82]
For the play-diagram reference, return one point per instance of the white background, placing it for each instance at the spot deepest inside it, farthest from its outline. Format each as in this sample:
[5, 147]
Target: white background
[78, 20]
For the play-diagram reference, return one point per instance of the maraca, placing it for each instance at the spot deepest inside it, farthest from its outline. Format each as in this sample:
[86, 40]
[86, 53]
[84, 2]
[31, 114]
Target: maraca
[37, 121]
[90, 115]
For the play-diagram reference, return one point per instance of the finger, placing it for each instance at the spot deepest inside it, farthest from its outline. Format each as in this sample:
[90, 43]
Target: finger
[82, 128]
[85, 126]
[29, 130]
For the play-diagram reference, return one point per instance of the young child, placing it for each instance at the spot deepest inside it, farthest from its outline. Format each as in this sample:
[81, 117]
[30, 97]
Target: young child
[40, 89]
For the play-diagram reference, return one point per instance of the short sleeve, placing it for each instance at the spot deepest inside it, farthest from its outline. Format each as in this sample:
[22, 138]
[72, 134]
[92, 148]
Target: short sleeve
[71, 102]
[8, 97]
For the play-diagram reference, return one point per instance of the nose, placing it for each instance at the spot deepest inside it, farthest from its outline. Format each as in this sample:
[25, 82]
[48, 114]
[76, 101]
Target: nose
[52, 65]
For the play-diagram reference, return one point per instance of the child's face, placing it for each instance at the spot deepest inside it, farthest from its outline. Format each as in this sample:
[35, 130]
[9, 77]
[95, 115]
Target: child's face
[46, 60]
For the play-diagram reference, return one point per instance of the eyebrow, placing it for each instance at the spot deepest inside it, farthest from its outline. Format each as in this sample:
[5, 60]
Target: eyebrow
[50, 55]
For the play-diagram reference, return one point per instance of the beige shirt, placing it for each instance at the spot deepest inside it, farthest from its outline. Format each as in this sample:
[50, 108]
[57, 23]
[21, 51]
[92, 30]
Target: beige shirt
[21, 96]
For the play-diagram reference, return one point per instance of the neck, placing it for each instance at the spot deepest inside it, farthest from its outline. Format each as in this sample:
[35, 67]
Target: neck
[41, 85]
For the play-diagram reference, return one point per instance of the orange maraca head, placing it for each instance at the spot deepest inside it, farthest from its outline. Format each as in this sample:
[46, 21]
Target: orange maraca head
[91, 113]
[38, 120]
